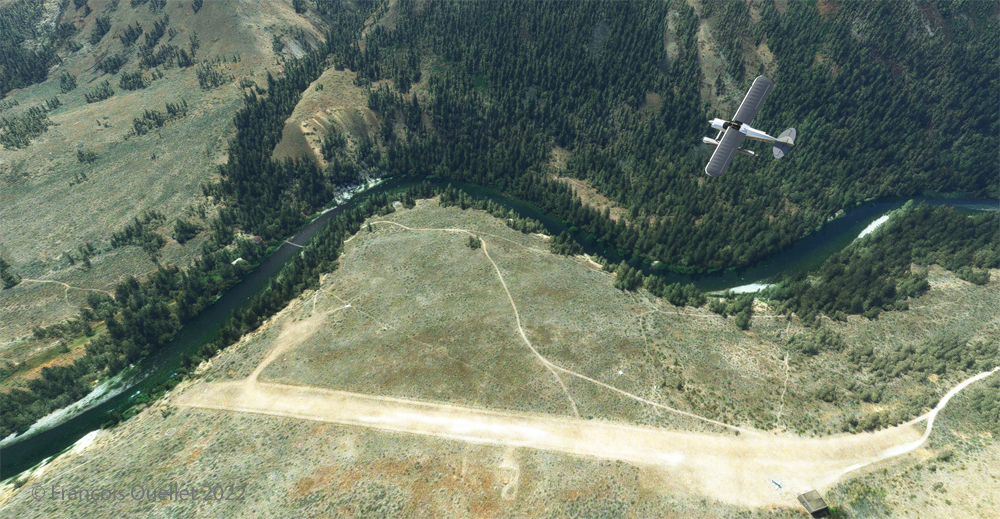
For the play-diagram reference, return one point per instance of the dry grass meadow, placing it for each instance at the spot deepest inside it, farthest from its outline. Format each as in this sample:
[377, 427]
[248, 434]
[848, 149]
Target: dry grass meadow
[332, 103]
[429, 320]
[310, 469]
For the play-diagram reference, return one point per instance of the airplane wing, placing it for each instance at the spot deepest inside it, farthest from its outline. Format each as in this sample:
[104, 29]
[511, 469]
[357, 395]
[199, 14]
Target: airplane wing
[724, 152]
[754, 99]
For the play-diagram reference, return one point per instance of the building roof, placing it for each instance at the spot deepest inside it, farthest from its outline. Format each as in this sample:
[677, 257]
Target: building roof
[812, 501]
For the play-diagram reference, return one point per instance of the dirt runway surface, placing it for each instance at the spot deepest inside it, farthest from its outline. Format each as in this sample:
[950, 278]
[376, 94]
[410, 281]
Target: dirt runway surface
[744, 467]
[730, 468]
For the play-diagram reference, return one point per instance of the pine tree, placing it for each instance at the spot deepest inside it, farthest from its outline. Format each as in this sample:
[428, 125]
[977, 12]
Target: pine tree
[67, 82]
[9, 278]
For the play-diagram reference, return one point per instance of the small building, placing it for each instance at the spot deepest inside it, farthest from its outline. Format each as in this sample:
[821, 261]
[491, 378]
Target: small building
[814, 503]
[257, 239]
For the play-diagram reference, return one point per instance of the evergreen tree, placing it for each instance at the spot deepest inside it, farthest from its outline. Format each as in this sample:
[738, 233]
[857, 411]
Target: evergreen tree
[9, 279]
[67, 82]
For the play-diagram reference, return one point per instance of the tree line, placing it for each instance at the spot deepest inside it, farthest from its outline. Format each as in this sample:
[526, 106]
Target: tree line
[874, 273]
[20, 66]
[10, 279]
[512, 86]
[140, 318]
[17, 131]
[267, 197]
[153, 119]
[450, 197]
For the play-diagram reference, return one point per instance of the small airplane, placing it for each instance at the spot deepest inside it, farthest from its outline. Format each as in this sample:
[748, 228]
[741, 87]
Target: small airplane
[776, 483]
[733, 132]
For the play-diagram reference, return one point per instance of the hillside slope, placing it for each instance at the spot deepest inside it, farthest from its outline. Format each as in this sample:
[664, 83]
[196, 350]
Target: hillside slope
[52, 201]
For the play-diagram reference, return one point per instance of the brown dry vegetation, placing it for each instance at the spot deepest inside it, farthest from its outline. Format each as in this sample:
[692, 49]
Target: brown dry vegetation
[827, 9]
[338, 105]
[333, 103]
[45, 216]
[429, 320]
[957, 474]
[30, 357]
[305, 468]
[425, 307]
[670, 35]
[300, 468]
[588, 195]
[726, 102]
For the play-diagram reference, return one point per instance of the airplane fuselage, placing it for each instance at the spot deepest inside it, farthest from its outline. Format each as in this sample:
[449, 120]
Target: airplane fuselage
[751, 133]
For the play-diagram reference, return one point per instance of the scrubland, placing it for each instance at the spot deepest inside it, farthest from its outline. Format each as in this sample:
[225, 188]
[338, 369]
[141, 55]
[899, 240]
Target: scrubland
[413, 312]
[51, 203]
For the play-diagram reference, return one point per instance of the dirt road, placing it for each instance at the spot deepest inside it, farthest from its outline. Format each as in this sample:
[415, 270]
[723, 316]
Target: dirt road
[733, 469]
[746, 467]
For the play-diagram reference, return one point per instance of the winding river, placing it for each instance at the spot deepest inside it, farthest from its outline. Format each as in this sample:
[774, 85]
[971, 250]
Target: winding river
[808, 253]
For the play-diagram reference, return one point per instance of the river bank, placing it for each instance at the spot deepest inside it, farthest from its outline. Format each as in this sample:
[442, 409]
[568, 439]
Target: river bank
[104, 391]
[63, 427]
[67, 428]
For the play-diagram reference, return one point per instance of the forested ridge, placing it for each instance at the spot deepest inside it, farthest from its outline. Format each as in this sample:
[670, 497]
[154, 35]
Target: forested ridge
[502, 83]
[888, 98]
[874, 273]
[21, 66]
[887, 111]
[264, 196]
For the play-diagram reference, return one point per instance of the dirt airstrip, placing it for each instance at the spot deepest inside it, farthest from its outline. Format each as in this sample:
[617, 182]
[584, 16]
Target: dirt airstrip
[736, 469]
[725, 468]
[424, 378]
[732, 469]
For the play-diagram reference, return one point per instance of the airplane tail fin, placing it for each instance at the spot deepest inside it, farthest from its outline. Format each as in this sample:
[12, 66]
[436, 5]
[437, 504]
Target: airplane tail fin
[787, 137]
[784, 143]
